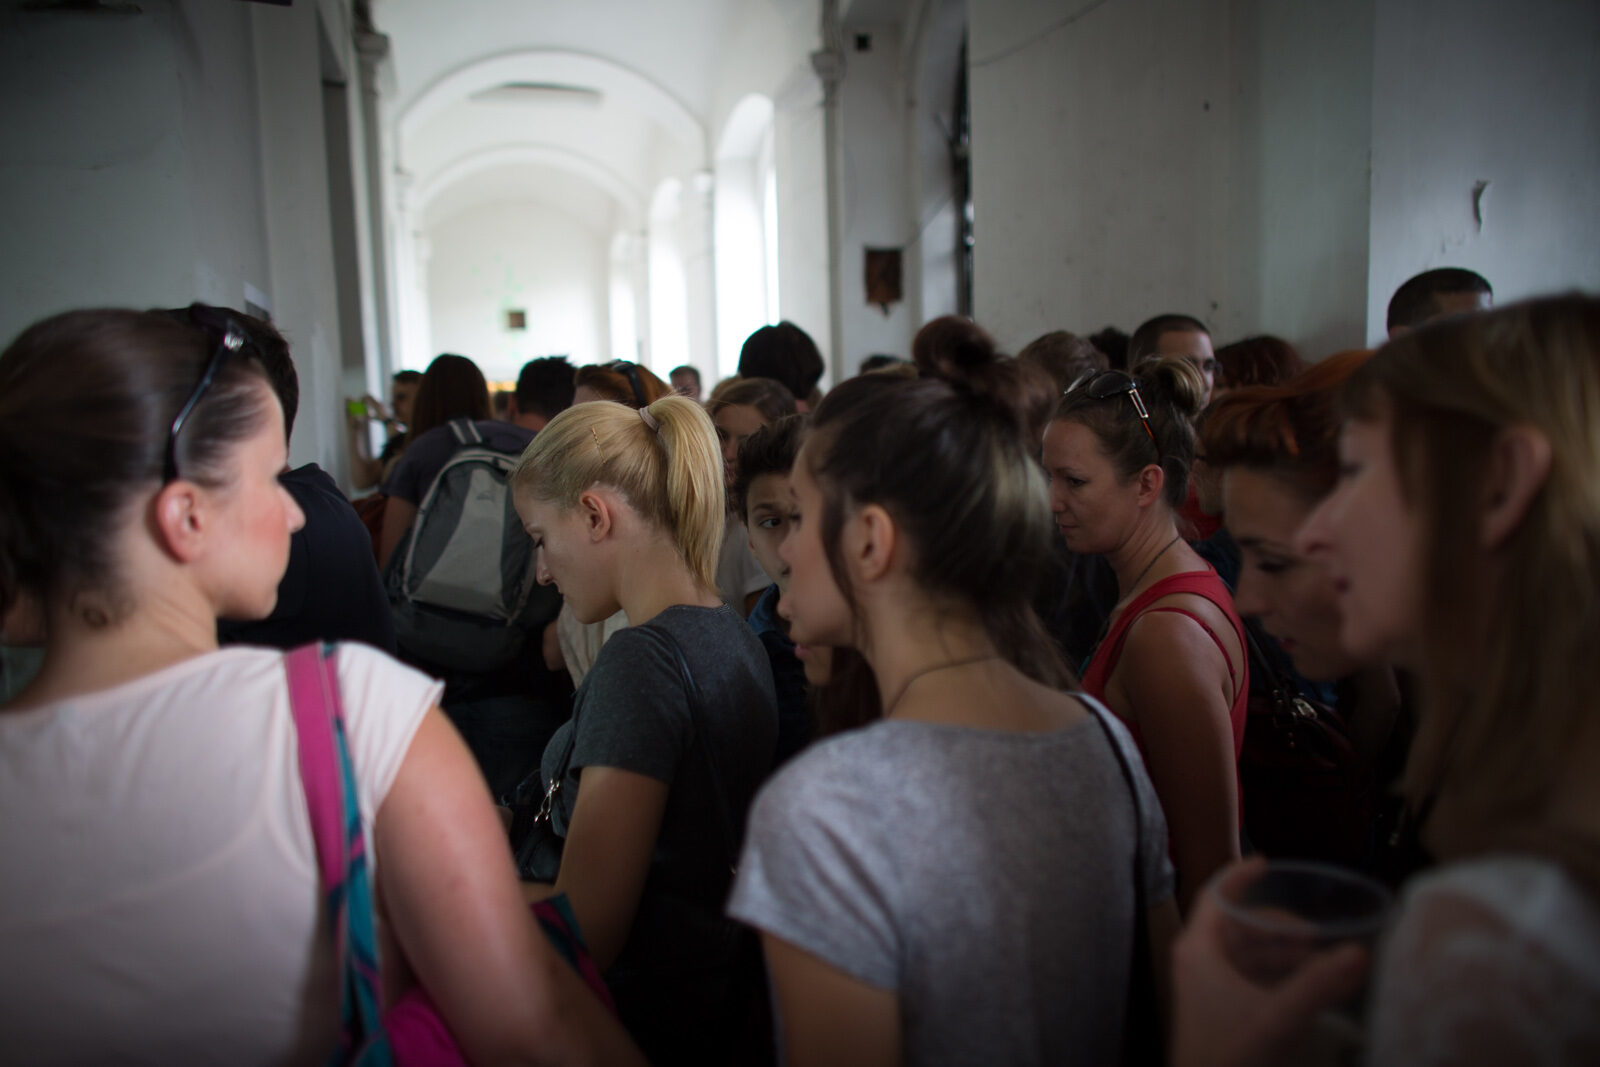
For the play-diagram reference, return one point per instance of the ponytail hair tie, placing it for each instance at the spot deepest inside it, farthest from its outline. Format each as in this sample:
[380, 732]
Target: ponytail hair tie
[649, 420]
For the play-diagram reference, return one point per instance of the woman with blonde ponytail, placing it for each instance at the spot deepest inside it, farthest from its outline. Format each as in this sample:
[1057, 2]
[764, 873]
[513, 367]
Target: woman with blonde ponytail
[673, 728]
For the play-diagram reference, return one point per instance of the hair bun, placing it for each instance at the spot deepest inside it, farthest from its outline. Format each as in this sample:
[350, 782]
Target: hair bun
[1174, 380]
[952, 347]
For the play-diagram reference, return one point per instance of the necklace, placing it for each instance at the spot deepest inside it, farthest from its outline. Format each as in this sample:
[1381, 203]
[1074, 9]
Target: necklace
[889, 708]
[1105, 624]
[1152, 563]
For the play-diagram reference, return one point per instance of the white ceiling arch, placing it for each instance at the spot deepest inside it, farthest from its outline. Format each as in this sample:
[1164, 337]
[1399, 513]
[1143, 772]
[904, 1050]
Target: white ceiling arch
[629, 198]
[615, 82]
[748, 122]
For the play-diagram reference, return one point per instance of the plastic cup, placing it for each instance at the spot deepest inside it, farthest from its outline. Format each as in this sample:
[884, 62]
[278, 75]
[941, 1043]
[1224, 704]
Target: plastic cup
[1294, 909]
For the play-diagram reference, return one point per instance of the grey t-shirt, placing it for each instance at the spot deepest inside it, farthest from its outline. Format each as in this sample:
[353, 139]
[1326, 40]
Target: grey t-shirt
[632, 712]
[983, 876]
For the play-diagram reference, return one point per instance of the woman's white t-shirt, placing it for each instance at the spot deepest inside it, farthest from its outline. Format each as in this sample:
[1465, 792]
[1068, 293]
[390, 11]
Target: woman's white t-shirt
[159, 897]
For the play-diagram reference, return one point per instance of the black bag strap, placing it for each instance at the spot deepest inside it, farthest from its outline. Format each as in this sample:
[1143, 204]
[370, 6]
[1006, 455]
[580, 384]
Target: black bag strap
[1141, 1023]
[521, 801]
[691, 692]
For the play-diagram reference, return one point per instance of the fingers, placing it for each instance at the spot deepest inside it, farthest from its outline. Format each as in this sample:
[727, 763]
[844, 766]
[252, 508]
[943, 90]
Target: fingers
[1327, 978]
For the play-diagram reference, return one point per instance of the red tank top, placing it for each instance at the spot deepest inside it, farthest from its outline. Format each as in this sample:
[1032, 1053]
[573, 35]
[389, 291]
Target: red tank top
[1201, 583]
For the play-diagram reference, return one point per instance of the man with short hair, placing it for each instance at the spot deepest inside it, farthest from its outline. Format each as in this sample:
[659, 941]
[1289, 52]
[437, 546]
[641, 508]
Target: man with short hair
[1434, 294]
[787, 354]
[1175, 335]
[544, 390]
[685, 381]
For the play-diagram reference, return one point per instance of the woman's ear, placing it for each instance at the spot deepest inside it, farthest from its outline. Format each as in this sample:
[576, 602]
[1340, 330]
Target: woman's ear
[180, 520]
[869, 539]
[1519, 466]
[1152, 480]
[595, 509]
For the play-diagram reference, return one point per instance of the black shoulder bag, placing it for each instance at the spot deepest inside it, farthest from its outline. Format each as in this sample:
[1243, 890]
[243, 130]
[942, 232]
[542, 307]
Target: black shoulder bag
[1141, 1021]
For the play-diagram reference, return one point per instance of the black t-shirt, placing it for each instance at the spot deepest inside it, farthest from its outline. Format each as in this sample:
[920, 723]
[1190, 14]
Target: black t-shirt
[633, 712]
[331, 590]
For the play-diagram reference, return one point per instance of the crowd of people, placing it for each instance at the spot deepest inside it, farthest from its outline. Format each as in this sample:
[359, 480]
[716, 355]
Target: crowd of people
[934, 719]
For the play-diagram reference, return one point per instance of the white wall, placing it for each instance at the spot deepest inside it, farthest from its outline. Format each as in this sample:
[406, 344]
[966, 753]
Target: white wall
[932, 52]
[147, 159]
[298, 226]
[876, 212]
[766, 50]
[1275, 167]
[1482, 91]
[96, 181]
[1301, 190]
[1100, 162]
[493, 257]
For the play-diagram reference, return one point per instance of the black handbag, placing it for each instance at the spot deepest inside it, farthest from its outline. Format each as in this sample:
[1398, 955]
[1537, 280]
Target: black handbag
[1308, 792]
[535, 845]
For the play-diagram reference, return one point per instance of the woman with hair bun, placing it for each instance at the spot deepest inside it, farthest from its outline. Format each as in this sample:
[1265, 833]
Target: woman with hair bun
[954, 882]
[673, 728]
[1172, 659]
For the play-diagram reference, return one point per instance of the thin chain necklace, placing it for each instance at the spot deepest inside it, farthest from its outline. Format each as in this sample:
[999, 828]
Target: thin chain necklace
[889, 708]
[1152, 563]
[1105, 624]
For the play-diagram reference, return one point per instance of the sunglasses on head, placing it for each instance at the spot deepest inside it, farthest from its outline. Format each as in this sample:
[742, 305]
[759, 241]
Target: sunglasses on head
[630, 371]
[1102, 385]
[214, 322]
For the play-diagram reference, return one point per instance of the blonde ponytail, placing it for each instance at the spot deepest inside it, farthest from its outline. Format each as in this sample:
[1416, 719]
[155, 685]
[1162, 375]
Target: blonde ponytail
[669, 472]
[694, 483]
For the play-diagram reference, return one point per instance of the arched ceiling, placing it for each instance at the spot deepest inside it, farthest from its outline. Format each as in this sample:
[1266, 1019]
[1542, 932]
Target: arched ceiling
[673, 44]
[622, 93]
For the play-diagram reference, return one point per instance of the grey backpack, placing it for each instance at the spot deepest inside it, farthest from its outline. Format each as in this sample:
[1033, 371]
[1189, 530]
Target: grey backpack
[461, 583]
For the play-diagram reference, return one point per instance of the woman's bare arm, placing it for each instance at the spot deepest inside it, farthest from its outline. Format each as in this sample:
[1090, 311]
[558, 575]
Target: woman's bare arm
[1172, 682]
[826, 1017]
[610, 841]
[451, 897]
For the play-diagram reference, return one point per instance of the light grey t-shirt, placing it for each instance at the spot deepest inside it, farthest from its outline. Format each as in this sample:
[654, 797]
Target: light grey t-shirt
[986, 877]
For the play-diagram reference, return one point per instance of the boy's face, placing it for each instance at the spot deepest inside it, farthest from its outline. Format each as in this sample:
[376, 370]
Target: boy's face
[769, 512]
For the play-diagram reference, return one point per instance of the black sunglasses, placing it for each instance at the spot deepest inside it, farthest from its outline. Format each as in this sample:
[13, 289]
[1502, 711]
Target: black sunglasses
[1101, 385]
[230, 340]
[631, 372]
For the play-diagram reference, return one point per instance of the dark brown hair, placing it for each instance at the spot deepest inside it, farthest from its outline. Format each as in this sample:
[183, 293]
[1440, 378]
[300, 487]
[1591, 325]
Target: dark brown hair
[1147, 338]
[1066, 357]
[452, 388]
[770, 397]
[785, 352]
[770, 450]
[87, 399]
[947, 461]
[1172, 390]
[1259, 360]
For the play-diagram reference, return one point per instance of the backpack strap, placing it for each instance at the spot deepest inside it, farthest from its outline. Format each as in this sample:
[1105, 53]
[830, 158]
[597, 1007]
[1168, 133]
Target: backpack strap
[328, 779]
[466, 432]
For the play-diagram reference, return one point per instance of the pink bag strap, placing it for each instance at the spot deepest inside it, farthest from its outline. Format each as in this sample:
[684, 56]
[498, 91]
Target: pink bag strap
[314, 702]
